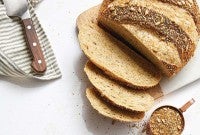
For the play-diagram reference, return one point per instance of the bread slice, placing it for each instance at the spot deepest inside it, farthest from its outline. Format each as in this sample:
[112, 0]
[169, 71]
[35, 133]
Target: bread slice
[110, 111]
[112, 56]
[160, 30]
[116, 94]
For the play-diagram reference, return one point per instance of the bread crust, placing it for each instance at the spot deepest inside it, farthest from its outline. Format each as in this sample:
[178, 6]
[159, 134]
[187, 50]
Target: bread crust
[171, 32]
[126, 13]
[192, 9]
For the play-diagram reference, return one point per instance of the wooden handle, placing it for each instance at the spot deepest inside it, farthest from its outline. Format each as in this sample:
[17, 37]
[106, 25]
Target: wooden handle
[187, 105]
[38, 63]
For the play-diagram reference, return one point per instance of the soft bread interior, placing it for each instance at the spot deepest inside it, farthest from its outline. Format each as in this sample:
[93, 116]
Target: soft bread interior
[112, 56]
[116, 94]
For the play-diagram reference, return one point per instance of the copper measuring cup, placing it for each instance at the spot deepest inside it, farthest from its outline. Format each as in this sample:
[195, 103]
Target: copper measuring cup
[180, 111]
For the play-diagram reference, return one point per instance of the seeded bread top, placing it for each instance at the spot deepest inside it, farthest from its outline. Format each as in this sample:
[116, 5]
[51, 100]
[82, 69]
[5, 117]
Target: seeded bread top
[189, 5]
[127, 13]
[171, 22]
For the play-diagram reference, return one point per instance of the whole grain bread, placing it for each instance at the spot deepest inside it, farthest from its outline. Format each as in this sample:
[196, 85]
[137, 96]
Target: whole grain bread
[112, 56]
[164, 31]
[116, 94]
[110, 111]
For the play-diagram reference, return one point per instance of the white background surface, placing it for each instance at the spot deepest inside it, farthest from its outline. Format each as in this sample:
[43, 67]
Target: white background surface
[29, 107]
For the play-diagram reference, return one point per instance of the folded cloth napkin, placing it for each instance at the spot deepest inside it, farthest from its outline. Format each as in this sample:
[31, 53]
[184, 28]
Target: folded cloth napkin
[15, 58]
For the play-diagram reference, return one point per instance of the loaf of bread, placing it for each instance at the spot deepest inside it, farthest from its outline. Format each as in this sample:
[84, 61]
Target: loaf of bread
[112, 56]
[110, 111]
[116, 94]
[164, 31]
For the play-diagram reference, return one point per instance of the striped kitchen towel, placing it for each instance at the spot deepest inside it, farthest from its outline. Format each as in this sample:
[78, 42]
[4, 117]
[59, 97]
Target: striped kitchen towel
[15, 58]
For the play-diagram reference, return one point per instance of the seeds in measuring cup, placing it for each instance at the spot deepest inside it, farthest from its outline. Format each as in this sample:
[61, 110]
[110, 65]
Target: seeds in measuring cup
[166, 121]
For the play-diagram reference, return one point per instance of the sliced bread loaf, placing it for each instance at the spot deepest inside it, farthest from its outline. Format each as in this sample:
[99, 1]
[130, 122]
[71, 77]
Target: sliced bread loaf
[162, 30]
[112, 56]
[110, 111]
[116, 94]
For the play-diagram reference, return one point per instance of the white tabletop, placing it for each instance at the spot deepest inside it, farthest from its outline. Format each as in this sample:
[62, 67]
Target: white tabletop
[29, 107]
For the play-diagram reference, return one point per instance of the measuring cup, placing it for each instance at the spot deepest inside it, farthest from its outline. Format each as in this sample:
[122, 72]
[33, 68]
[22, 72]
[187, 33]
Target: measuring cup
[178, 111]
